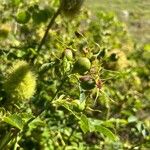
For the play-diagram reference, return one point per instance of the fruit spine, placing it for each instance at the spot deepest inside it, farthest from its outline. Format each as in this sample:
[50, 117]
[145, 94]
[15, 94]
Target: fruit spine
[20, 82]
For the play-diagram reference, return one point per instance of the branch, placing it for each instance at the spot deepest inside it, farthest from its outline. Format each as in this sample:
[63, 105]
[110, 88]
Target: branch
[48, 28]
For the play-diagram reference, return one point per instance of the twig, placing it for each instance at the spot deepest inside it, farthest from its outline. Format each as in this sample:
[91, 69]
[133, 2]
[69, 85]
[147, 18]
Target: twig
[48, 28]
[72, 132]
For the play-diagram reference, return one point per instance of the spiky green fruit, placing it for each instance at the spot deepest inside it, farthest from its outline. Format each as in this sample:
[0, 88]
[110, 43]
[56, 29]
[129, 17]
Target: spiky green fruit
[20, 82]
[71, 7]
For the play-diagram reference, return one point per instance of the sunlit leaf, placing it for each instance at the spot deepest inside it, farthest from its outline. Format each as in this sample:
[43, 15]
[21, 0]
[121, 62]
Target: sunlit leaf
[132, 119]
[14, 120]
[105, 131]
[84, 124]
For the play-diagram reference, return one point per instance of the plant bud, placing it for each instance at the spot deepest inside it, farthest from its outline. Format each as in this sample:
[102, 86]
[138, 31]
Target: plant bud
[20, 82]
[68, 54]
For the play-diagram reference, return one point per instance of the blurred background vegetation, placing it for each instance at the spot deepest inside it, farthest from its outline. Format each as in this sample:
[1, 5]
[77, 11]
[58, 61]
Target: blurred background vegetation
[135, 13]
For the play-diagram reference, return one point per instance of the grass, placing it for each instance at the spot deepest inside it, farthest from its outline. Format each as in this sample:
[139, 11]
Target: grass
[135, 13]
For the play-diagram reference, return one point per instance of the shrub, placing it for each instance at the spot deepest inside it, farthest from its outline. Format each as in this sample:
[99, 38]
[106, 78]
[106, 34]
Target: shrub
[89, 87]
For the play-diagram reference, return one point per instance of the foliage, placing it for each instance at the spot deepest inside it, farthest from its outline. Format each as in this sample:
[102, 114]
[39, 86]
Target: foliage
[92, 81]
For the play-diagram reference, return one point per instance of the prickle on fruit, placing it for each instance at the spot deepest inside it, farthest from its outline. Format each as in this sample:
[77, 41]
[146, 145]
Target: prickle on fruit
[20, 81]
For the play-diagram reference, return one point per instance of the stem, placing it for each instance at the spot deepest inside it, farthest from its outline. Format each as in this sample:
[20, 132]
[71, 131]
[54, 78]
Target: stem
[48, 28]
[72, 132]
[7, 138]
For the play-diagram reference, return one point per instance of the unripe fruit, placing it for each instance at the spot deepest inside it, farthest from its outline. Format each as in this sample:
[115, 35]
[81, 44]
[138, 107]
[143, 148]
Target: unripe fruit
[20, 82]
[4, 30]
[118, 60]
[71, 7]
[3, 33]
[87, 82]
[82, 65]
[15, 2]
[23, 17]
[68, 54]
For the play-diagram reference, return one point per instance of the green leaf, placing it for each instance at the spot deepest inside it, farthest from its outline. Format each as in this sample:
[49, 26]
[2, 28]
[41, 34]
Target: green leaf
[82, 97]
[16, 2]
[2, 112]
[105, 131]
[84, 124]
[132, 119]
[40, 16]
[147, 47]
[65, 104]
[5, 140]
[26, 116]
[14, 120]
